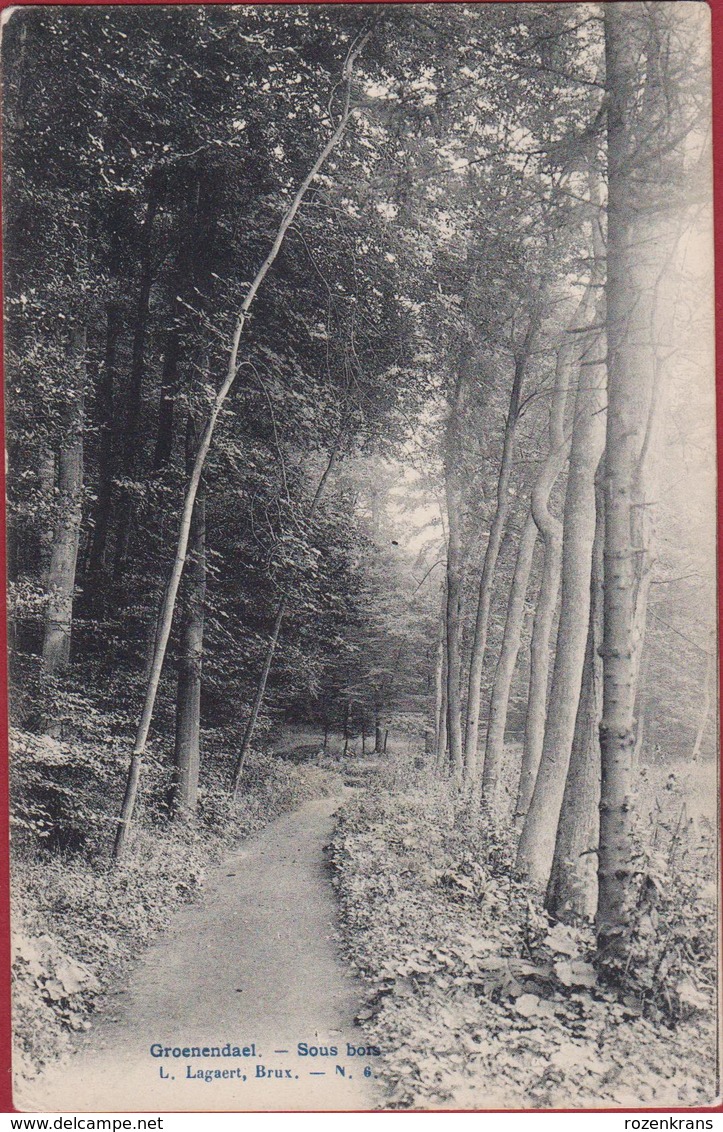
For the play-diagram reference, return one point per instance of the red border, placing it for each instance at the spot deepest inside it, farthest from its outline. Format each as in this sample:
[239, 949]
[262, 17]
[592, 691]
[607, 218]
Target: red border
[716, 8]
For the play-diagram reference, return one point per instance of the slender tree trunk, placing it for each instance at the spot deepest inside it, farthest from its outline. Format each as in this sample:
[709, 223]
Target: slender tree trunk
[640, 243]
[171, 592]
[550, 528]
[440, 693]
[188, 695]
[537, 842]
[442, 742]
[64, 557]
[499, 521]
[572, 889]
[105, 394]
[378, 730]
[558, 450]
[454, 578]
[347, 724]
[504, 672]
[46, 476]
[166, 404]
[274, 640]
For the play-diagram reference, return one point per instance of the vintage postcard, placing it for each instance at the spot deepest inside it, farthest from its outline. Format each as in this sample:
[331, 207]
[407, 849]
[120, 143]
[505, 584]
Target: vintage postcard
[361, 526]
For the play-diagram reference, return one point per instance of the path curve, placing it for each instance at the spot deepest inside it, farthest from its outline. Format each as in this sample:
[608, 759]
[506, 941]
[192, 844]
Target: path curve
[255, 963]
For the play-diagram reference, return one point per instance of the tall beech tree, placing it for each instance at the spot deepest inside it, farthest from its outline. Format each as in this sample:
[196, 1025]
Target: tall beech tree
[648, 122]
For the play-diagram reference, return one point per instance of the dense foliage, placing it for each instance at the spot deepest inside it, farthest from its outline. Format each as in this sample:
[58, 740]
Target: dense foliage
[326, 303]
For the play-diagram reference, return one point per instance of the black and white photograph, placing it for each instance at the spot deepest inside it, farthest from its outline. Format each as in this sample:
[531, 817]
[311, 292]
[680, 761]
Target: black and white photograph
[360, 416]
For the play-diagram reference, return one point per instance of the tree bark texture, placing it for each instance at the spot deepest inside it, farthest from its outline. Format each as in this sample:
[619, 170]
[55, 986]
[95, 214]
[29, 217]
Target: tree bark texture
[550, 528]
[129, 439]
[639, 246]
[105, 392]
[66, 538]
[440, 692]
[190, 660]
[453, 490]
[499, 703]
[572, 888]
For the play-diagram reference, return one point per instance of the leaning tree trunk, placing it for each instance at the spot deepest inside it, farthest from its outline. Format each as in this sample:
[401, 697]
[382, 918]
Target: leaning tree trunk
[640, 244]
[550, 528]
[171, 592]
[274, 640]
[556, 457]
[572, 888]
[499, 703]
[66, 538]
[537, 842]
[499, 521]
[184, 790]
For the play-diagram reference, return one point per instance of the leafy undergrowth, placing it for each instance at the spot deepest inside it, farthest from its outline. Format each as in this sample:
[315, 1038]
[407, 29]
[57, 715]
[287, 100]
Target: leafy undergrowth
[475, 997]
[78, 922]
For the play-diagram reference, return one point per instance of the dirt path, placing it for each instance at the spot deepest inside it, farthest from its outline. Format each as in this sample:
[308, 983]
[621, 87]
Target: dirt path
[255, 966]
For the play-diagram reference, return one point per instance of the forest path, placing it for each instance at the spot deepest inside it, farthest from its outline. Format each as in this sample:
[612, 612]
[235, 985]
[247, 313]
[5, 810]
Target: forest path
[255, 962]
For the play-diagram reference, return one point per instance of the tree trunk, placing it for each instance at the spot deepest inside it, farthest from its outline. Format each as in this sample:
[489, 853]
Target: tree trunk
[440, 695]
[378, 730]
[499, 703]
[537, 842]
[550, 528]
[572, 889]
[640, 243]
[46, 476]
[347, 723]
[171, 592]
[106, 424]
[188, 695]
[166, 404]
[129, 440]
[558, 449]
[499, 521]
[453, 491]
[64, 557]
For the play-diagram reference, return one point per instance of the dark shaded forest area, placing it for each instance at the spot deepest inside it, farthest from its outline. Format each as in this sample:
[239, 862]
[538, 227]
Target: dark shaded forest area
[360, 424]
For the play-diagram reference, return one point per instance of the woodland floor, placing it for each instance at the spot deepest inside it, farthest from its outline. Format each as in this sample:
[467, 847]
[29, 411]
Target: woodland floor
[256, 960]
